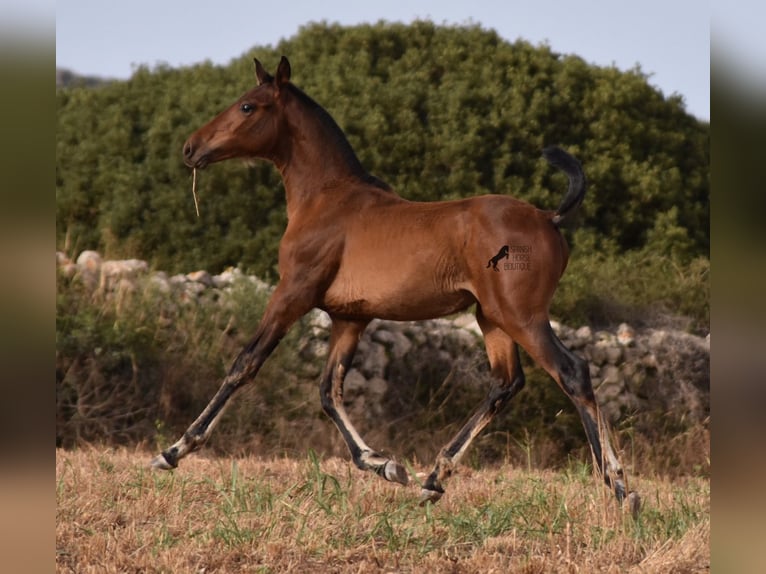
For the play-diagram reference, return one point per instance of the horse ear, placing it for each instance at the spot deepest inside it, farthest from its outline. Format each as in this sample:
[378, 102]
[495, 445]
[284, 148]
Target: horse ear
[283, 72]
[260, 72]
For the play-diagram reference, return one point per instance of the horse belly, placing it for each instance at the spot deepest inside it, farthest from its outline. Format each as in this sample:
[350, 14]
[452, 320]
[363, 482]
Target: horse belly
[406, 289]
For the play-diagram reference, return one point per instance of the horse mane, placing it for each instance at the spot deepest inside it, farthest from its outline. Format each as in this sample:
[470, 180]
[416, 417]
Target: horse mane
[339, 138]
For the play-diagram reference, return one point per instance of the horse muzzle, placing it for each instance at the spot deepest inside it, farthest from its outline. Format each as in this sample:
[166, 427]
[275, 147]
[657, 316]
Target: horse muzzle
[195, 156]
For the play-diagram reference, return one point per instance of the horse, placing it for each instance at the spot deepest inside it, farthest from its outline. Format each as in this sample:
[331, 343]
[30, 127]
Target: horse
[357, 250]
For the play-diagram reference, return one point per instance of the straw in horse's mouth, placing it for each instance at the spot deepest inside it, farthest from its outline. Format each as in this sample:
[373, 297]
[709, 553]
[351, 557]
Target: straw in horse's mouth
[194, 190]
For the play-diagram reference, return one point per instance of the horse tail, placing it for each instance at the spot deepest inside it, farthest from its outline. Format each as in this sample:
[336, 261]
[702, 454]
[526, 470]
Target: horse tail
[567, 163]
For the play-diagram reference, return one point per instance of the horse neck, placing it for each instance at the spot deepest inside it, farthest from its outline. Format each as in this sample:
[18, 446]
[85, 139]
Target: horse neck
[316, 154]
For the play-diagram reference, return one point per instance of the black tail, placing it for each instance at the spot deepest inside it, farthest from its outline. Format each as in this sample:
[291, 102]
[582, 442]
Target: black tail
[557, 157]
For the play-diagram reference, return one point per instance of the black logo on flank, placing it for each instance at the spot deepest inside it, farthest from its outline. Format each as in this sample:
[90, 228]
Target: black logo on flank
[518, 258]
[502, 254]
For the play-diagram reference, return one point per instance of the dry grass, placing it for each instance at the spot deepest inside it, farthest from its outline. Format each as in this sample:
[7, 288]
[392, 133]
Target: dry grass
[250, 515]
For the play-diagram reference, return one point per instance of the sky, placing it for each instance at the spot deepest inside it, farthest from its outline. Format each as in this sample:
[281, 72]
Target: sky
[669, 39]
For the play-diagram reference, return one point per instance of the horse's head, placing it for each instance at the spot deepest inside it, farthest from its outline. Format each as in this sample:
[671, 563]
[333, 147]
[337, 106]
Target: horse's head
[249, 128]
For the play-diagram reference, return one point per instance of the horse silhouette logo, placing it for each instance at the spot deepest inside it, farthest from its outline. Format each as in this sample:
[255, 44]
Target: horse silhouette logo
[503, 253]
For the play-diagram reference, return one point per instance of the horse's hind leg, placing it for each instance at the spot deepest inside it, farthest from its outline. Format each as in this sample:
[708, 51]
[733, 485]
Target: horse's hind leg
[506, 367]
[344, 338]
[573, 376]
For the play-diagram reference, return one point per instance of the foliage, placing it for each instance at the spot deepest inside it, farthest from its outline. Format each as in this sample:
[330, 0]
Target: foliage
[141, 364]
[648, 286]
[438, 111]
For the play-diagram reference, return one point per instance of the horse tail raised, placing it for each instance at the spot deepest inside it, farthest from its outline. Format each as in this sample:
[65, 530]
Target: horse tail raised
[567, 163]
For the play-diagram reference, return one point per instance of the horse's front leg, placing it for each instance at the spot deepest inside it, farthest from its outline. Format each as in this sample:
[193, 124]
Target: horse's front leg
[281, 312]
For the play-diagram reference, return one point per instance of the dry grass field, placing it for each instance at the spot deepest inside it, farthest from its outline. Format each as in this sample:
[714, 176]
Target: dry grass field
[250, 515]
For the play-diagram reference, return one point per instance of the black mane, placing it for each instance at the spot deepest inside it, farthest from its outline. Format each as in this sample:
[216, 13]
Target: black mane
[339, 138]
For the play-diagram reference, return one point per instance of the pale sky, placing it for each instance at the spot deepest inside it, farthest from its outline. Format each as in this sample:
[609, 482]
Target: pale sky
[669, 39]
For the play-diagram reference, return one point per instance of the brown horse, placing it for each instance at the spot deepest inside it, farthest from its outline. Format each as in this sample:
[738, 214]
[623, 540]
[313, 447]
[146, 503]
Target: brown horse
[357, 250]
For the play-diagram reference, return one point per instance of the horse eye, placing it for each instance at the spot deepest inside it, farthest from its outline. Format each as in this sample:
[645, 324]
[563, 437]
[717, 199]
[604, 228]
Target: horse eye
[246, 108]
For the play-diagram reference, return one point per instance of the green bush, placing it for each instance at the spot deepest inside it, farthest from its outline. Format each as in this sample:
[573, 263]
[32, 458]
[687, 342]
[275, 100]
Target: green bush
[134, 363]
[645, 287]
[439, 112]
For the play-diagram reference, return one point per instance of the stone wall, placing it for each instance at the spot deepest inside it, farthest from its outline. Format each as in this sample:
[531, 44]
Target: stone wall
[665, 372]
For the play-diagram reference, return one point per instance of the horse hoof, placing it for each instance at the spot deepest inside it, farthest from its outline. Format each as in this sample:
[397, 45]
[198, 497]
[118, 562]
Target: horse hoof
[395, 472]
[634, 503]
[431, 496]
[159, 462]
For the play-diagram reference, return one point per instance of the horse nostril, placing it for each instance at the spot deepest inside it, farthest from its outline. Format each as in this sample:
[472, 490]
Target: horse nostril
[188, 150]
